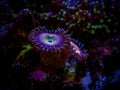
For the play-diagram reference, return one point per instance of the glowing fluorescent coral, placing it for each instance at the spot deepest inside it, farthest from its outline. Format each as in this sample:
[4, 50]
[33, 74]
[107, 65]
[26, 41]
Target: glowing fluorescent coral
[53, 46]
[77, 50]
[53, 51]
[49, 40]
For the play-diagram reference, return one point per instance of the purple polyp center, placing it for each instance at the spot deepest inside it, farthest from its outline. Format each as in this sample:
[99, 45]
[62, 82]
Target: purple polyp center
[50, 39]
